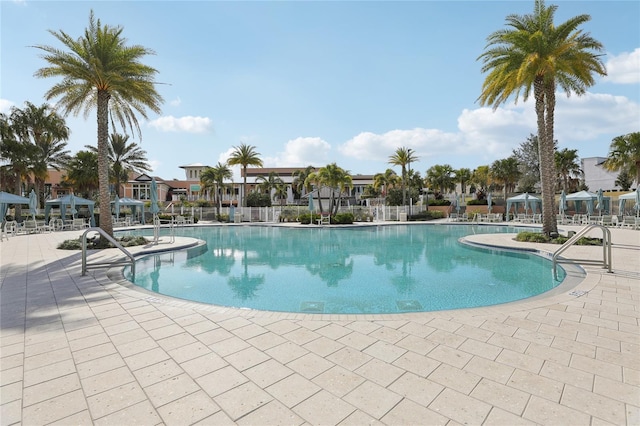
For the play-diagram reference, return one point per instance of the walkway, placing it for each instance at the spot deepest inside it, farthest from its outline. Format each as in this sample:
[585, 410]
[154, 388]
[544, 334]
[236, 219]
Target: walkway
[83, 350]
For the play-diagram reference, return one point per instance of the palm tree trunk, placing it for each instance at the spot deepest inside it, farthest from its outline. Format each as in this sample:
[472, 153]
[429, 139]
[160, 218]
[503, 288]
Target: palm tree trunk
[548, 165]
[103, 162]
[404, 195]
[244, 187]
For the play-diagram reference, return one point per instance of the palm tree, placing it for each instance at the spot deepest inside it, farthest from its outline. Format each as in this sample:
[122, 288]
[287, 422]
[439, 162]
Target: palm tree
[299, 184]
[100, 71]
[441, 177]
[44, 128]
[536, 55]
[314, 180]
[624, 154]
[480, 178]
[124, 158]
[81, 174]
[384, 181]
[505, 172]
[567, 165]
[267, 184]
[213, 178]
[338, 180]
[244, 155]
[463, 176]
[403, 157]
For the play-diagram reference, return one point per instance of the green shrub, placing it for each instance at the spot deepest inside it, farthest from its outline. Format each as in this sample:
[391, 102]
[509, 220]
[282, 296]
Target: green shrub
[439, 202]
[477, 202]
[307, 218]
[255, 199]
[223, 218]
[345, 218]
[537, 237]
[102, 243]
[426, 215]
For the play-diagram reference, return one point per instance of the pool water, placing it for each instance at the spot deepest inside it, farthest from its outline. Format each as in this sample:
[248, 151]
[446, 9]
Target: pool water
[376, 269]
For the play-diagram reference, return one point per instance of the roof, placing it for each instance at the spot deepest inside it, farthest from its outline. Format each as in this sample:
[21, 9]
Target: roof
[193, 165]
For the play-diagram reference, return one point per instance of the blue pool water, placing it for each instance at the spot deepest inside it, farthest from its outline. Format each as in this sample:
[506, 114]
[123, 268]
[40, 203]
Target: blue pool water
[377, 269]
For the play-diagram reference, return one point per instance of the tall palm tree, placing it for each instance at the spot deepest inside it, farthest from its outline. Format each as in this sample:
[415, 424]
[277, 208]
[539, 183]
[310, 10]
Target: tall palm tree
[213, 178]
[535, 55]
[124, 158]
[567, 165]
[403, 157]
[244, 155]
[624, 154]
[44, 128]
[98, 70]
[480, 178]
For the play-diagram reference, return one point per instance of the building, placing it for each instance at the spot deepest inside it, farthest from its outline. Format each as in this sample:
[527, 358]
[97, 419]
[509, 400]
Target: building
[597, 177]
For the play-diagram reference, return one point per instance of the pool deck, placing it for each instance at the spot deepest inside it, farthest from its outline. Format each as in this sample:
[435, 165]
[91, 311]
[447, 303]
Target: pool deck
[89, 350]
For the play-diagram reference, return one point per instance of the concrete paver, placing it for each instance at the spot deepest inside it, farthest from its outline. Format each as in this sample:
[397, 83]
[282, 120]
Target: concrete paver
[80, 350]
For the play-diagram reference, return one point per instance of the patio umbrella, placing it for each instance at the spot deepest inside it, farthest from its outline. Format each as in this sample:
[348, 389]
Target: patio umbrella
[600, 204]
[458, 203]
[116, 207]
[33, 204]
[563, 202]
[489, 202]
[311, 207]
[155, 210]
[526, 202]
[72, 202]
[589, 207]
[637, 205]
[621, 202]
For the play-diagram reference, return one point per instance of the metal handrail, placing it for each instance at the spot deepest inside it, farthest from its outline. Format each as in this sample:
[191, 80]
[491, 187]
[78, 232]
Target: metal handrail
[606, 249]
[100, 231]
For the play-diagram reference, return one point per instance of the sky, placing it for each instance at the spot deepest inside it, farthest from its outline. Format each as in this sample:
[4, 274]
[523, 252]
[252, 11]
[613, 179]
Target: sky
[314, 83]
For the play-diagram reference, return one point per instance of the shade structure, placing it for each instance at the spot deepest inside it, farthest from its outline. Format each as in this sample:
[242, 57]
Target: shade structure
[137, 206]
[583, 196]
[633, 196]
[489, 202]
[33, 204]
[562, 206]
[67, 200]
[533, 202]
[6, 199]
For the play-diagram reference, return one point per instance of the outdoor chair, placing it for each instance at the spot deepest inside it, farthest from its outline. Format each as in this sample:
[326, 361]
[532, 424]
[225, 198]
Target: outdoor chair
[606, 220]
[11, 228]
[325, 219]
[78, 224]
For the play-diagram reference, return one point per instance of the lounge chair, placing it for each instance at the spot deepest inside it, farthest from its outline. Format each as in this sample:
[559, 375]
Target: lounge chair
[325, 219]
[606, 220]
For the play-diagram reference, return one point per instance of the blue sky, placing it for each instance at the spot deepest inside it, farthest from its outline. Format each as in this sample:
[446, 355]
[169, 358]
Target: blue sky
[311, 83]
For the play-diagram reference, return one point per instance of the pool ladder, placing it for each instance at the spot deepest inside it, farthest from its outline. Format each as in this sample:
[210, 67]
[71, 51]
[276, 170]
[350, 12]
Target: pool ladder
[128, 260]
[606, 249]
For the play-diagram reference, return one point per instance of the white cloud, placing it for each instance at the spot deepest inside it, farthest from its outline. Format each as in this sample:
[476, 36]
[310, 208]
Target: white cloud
[624, 68]
[5, 106]
[154, 164]
[302, 151]
[175, 102]
[186, 124]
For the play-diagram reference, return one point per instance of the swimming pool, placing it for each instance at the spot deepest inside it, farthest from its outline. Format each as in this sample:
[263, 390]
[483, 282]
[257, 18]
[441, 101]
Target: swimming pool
[372, 269]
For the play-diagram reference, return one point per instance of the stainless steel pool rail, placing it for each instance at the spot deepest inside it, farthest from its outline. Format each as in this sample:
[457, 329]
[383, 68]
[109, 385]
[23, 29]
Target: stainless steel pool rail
[128, 260]
[606, 249]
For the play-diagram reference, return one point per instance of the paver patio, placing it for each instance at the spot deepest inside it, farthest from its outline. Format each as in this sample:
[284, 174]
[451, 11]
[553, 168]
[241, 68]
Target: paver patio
[88, 350]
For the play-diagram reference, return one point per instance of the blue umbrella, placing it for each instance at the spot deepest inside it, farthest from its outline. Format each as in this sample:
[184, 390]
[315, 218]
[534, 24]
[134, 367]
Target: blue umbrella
[33, 204]
[154, 197]
[72, 200]
[458, 203]
[637, 205]
[116, 207]
[526, 202]
[621, 202]
[589, 207]
[489, 202]
[311, 207]
[563, 202]
[600, 204]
